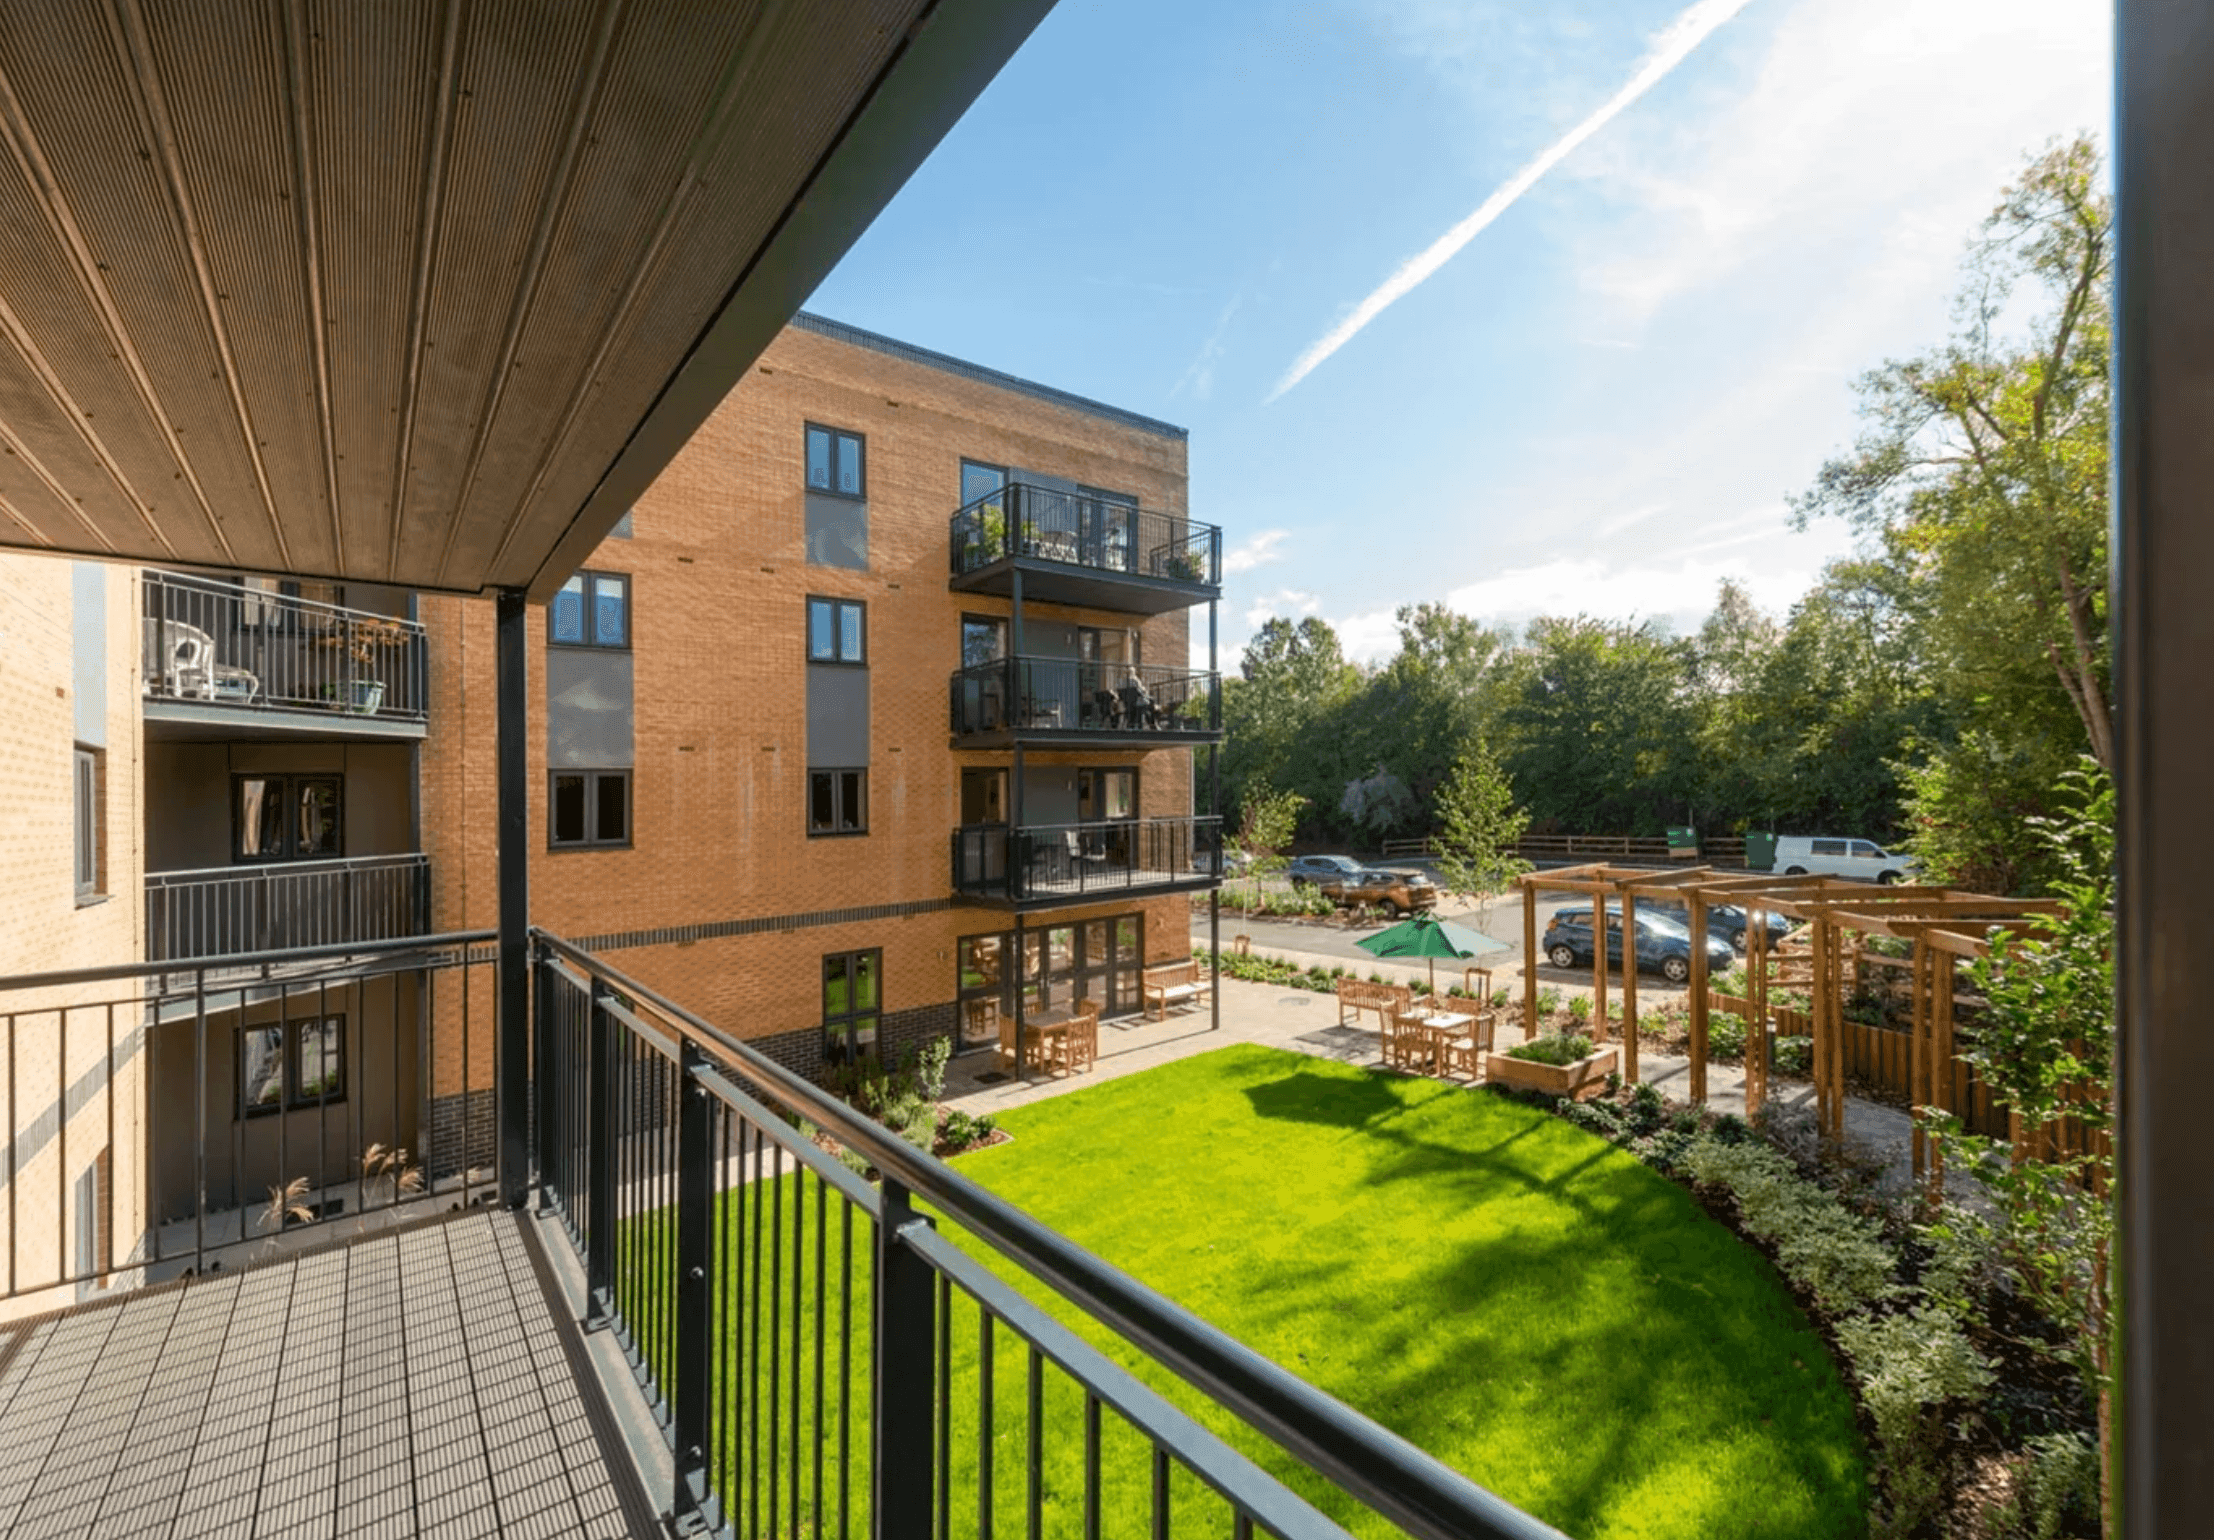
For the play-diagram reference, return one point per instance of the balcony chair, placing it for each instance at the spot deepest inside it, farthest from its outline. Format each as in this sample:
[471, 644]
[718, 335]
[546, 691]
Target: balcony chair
[1106, 709]
[1079, 1048]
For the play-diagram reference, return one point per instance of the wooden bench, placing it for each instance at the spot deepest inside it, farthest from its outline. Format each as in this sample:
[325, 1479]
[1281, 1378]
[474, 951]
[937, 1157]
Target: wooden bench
[1173, 984]
[1386, 1000]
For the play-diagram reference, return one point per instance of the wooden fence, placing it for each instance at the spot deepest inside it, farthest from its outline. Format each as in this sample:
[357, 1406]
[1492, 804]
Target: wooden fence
[1643, 850]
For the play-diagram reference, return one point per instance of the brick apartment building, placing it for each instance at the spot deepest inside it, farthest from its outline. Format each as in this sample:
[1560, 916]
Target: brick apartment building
[788, 760]
[884, 683]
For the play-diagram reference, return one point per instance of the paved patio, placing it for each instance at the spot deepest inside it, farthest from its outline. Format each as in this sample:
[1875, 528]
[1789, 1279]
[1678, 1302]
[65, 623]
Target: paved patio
[420, 1381]
[1305, 1022]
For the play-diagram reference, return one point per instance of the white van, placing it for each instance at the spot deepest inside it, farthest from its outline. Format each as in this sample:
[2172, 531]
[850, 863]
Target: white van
[1799, 854]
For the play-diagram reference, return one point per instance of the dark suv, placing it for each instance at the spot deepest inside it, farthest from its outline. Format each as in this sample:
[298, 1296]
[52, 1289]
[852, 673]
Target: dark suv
[1346, 882]
[1315, 871]
[1725, 920]
[1663, 945]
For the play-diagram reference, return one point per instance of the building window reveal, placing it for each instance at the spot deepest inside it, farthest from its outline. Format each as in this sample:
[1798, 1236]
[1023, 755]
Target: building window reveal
[853, 994]
[591, 610]
[287, 817]
[590, 807]
[837, 631]
[88, 823]
[297, 1064]
[837, 802]
[834, 462]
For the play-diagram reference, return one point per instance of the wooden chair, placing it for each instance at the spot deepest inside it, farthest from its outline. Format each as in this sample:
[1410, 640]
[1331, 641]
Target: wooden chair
[1406, 1041]
[1080, 1048]
[1464, 1054]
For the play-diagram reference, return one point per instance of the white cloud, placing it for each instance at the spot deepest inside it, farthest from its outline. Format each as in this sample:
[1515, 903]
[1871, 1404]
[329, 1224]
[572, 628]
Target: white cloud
[1871, 137]
[1294, 602]
[1256, 552]
[1670, 48]
[1680, 592]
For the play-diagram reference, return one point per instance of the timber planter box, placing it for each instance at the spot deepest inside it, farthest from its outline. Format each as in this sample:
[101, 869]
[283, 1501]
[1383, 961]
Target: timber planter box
[1585, 1077]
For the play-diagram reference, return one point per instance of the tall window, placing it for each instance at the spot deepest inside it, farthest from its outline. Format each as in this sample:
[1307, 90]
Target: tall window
[589, 807]
[853, 995]
[287, 817]
[591, 610]
[834, 462]
[837, 631]
[837, 802]
[1103, 794]
[983, 639]
[88, 822]
[979, 480]
[294, 1064]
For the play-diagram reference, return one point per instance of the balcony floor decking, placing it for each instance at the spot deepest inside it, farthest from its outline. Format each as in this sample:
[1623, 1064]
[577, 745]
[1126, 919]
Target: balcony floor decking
[418, 1381]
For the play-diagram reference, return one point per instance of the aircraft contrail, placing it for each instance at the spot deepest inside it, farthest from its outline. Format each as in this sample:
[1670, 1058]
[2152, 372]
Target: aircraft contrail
[1670, 49]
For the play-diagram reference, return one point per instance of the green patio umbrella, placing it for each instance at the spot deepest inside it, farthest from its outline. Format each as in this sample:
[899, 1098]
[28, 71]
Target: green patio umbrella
[1428, 936]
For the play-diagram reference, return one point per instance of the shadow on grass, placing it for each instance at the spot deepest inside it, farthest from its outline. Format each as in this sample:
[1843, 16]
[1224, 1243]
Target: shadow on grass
[1307, 1097]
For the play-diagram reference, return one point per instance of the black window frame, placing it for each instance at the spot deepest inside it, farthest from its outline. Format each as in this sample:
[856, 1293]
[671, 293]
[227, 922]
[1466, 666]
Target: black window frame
[838, 828]
[293, 1035]
[288, 800]
[1000, 625]
[88, 815]
[592, 840]
[591, 578]
[837, 606]
[1092, 773]
[839, 1047]
[838, 437]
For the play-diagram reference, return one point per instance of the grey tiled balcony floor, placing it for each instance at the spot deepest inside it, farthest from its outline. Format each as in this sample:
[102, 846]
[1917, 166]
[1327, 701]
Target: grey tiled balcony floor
[413, 1383]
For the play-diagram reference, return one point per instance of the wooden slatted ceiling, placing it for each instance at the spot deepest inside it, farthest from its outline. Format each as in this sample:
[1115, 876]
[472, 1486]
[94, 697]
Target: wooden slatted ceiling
[382, 292]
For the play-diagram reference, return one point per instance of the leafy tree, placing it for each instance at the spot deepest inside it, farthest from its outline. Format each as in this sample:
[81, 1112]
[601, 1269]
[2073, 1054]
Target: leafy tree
[2045, 1045]
[1478, 826]
[1416, 715]
[1264, 831]
[1983, 468]
[1282, 715]
[1599, 724]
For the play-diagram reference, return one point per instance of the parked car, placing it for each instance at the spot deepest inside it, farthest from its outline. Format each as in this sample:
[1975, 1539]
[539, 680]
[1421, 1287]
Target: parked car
[1313, 871]
[1400, 892]
[1725, 920]
[1800, 854]
[1663, 945]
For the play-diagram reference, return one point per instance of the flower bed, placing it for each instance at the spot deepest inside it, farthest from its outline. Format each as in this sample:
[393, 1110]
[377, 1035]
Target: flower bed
[1554, 1065]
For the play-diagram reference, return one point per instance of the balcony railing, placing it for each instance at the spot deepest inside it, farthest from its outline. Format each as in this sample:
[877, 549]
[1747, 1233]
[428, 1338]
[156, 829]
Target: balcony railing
[207, 641]
[1065, 695]
[282, 905]
[1073, 861]
[833, 1355]
[821, 1350]
[1084, 530]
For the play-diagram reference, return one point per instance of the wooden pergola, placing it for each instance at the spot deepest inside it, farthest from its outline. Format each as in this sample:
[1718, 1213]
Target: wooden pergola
[1945, 926]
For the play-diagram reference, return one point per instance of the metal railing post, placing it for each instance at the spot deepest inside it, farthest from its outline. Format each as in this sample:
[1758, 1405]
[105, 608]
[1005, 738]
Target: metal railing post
[695, 1223]
[599, 1139]
[511, 1076]
[905, 1338]
[546, 1075]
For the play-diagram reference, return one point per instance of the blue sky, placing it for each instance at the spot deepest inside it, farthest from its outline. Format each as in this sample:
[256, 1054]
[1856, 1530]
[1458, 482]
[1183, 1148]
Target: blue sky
[1600, 403]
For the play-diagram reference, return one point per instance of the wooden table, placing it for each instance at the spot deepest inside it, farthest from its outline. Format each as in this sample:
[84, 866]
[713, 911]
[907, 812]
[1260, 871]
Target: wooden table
[1443, 1029]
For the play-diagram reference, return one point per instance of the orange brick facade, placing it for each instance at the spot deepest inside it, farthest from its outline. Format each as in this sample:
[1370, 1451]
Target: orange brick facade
[719, 581]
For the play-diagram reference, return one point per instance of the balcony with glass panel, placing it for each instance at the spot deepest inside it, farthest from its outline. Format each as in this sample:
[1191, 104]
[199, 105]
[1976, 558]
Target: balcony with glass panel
[1078, 547]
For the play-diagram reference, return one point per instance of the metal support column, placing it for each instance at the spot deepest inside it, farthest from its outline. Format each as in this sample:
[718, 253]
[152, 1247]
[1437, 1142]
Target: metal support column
[1021, 964]
[1214, 808]
[695, 1294]
[511, 1054]
[2163, 636]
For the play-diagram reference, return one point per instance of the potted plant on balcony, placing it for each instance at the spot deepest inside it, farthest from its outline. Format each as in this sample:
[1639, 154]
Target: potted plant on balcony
[1184, 565]
[1556, 1064]
[362, 639]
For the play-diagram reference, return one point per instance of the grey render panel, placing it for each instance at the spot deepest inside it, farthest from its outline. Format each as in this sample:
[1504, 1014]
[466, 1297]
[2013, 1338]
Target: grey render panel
[837, 715]
[588, 709]
[1048, 795]
[88, 648]
[837, 532]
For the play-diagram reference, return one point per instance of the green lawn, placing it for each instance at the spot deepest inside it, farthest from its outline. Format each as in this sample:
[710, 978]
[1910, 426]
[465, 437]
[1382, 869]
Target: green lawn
[1510, 1293]
[1515, 1296]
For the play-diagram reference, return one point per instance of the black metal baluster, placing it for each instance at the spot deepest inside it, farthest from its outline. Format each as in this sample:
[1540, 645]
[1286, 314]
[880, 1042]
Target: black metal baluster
[599, 1208]
[901, 1348]
[822, 1248]
[1037, 1443]
[799, 1286]
[983, 1422]
[845, 1359]
[753, 1329]
[693, 1324]
[1091, 1466]
[1160, 1492]
[776, 1329]
[945, 1407]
